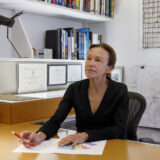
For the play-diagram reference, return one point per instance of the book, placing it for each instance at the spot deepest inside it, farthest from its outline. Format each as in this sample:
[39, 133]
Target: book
[86, 7]
[111, 3]
[91, 6]
[72, 33]
[81, 5]
[52, 41]
[96, 6]
[66, 45]
[69, 3]
[63, 43]
[74, 4]
[107, 8]
[103, 6]
[112, 13]
[69, 47]
[77, 4]
[85, 34]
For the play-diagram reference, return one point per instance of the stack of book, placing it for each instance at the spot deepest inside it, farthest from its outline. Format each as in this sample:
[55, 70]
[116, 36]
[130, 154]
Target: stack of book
[101, 7]
[71, 43]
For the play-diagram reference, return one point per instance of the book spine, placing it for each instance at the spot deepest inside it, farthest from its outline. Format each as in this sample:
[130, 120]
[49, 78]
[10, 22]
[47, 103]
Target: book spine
[74, 34]
[69, 47]
[107, 8]
[95, 7]
[74, 4]
[72, 49]
[51, 42]
[65, 3]
[77, 4]
[78, 45]
[86, 6]
[66, 45]
[90, 39]
[59, 44]
[99, 6]
[63, 44]
[84, 42]
[112, 8]
[56, 1]
[81, 5]
[103, 7]
[62, 2]
[91, 6]
[70, 3]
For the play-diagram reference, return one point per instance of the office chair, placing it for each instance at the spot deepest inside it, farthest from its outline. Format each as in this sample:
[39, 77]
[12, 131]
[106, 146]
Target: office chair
[137, 106]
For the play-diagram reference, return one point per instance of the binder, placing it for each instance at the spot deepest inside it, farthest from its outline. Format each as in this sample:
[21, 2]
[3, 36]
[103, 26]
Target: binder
[53, 41]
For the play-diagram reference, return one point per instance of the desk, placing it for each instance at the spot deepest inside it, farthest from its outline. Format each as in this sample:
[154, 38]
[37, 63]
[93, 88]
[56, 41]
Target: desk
[114, 149]
[43, 106]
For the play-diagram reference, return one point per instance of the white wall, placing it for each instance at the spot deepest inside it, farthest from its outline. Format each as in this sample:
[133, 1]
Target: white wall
[124, 33]
[35, 27]
[5, 50]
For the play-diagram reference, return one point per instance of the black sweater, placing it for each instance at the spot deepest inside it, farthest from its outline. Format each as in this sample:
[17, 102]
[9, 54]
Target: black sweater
[109, 121]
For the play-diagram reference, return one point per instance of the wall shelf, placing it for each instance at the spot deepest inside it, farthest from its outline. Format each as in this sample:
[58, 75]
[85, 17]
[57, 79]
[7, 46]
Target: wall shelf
[47, 9]
[40, 60]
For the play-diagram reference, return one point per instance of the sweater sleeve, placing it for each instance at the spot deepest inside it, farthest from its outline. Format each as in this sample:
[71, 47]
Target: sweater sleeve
[51, 127]
[118, 130]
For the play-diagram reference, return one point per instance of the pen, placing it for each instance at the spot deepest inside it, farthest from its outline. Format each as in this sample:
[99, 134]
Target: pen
[17, 135]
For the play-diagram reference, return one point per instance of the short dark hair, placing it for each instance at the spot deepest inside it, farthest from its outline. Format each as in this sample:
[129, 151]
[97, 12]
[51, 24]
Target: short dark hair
[110, 50]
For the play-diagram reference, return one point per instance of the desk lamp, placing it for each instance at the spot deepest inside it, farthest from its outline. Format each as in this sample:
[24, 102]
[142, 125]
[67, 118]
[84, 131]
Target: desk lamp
[9, 22]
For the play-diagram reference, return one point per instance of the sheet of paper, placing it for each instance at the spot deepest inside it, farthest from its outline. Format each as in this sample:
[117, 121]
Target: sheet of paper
[50, 146]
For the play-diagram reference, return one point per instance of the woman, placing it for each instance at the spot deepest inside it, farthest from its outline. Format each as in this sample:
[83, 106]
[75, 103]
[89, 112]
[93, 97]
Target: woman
[101, 104]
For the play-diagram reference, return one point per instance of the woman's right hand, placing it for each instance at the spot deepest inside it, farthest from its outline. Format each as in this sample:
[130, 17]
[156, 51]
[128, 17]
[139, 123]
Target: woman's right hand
[32, 137]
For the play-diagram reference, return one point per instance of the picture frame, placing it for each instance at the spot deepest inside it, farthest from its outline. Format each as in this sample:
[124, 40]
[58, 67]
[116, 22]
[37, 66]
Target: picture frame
[74, 72]
[56, 74]
[117, 74]
[31, 77]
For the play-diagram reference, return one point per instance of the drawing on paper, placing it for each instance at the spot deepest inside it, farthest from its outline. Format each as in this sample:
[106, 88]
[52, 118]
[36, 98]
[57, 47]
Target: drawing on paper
[86, 145]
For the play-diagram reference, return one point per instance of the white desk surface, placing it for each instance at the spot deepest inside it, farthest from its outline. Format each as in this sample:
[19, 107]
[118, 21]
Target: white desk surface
[39, 95]
[44, 95]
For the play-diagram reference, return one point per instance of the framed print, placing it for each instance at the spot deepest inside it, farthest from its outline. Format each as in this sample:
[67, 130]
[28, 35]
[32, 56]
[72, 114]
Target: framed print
[32, 77]
[74, 72]
[117, 74]
[56, 75]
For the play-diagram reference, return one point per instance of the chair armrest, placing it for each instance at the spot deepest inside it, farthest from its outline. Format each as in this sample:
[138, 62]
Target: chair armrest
[147, 140]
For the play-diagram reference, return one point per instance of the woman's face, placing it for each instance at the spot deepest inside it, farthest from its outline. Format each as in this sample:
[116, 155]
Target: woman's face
[96, 65]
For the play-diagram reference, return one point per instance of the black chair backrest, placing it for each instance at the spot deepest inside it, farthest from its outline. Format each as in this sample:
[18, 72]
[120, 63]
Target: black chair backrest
[137, 106]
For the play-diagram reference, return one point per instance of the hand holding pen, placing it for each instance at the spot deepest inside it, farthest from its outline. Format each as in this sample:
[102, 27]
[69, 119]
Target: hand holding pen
[28, 138]
[25, 141]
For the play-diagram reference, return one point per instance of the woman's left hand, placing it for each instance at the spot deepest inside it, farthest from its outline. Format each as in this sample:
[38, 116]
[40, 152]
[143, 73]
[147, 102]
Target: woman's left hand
[73, 139]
